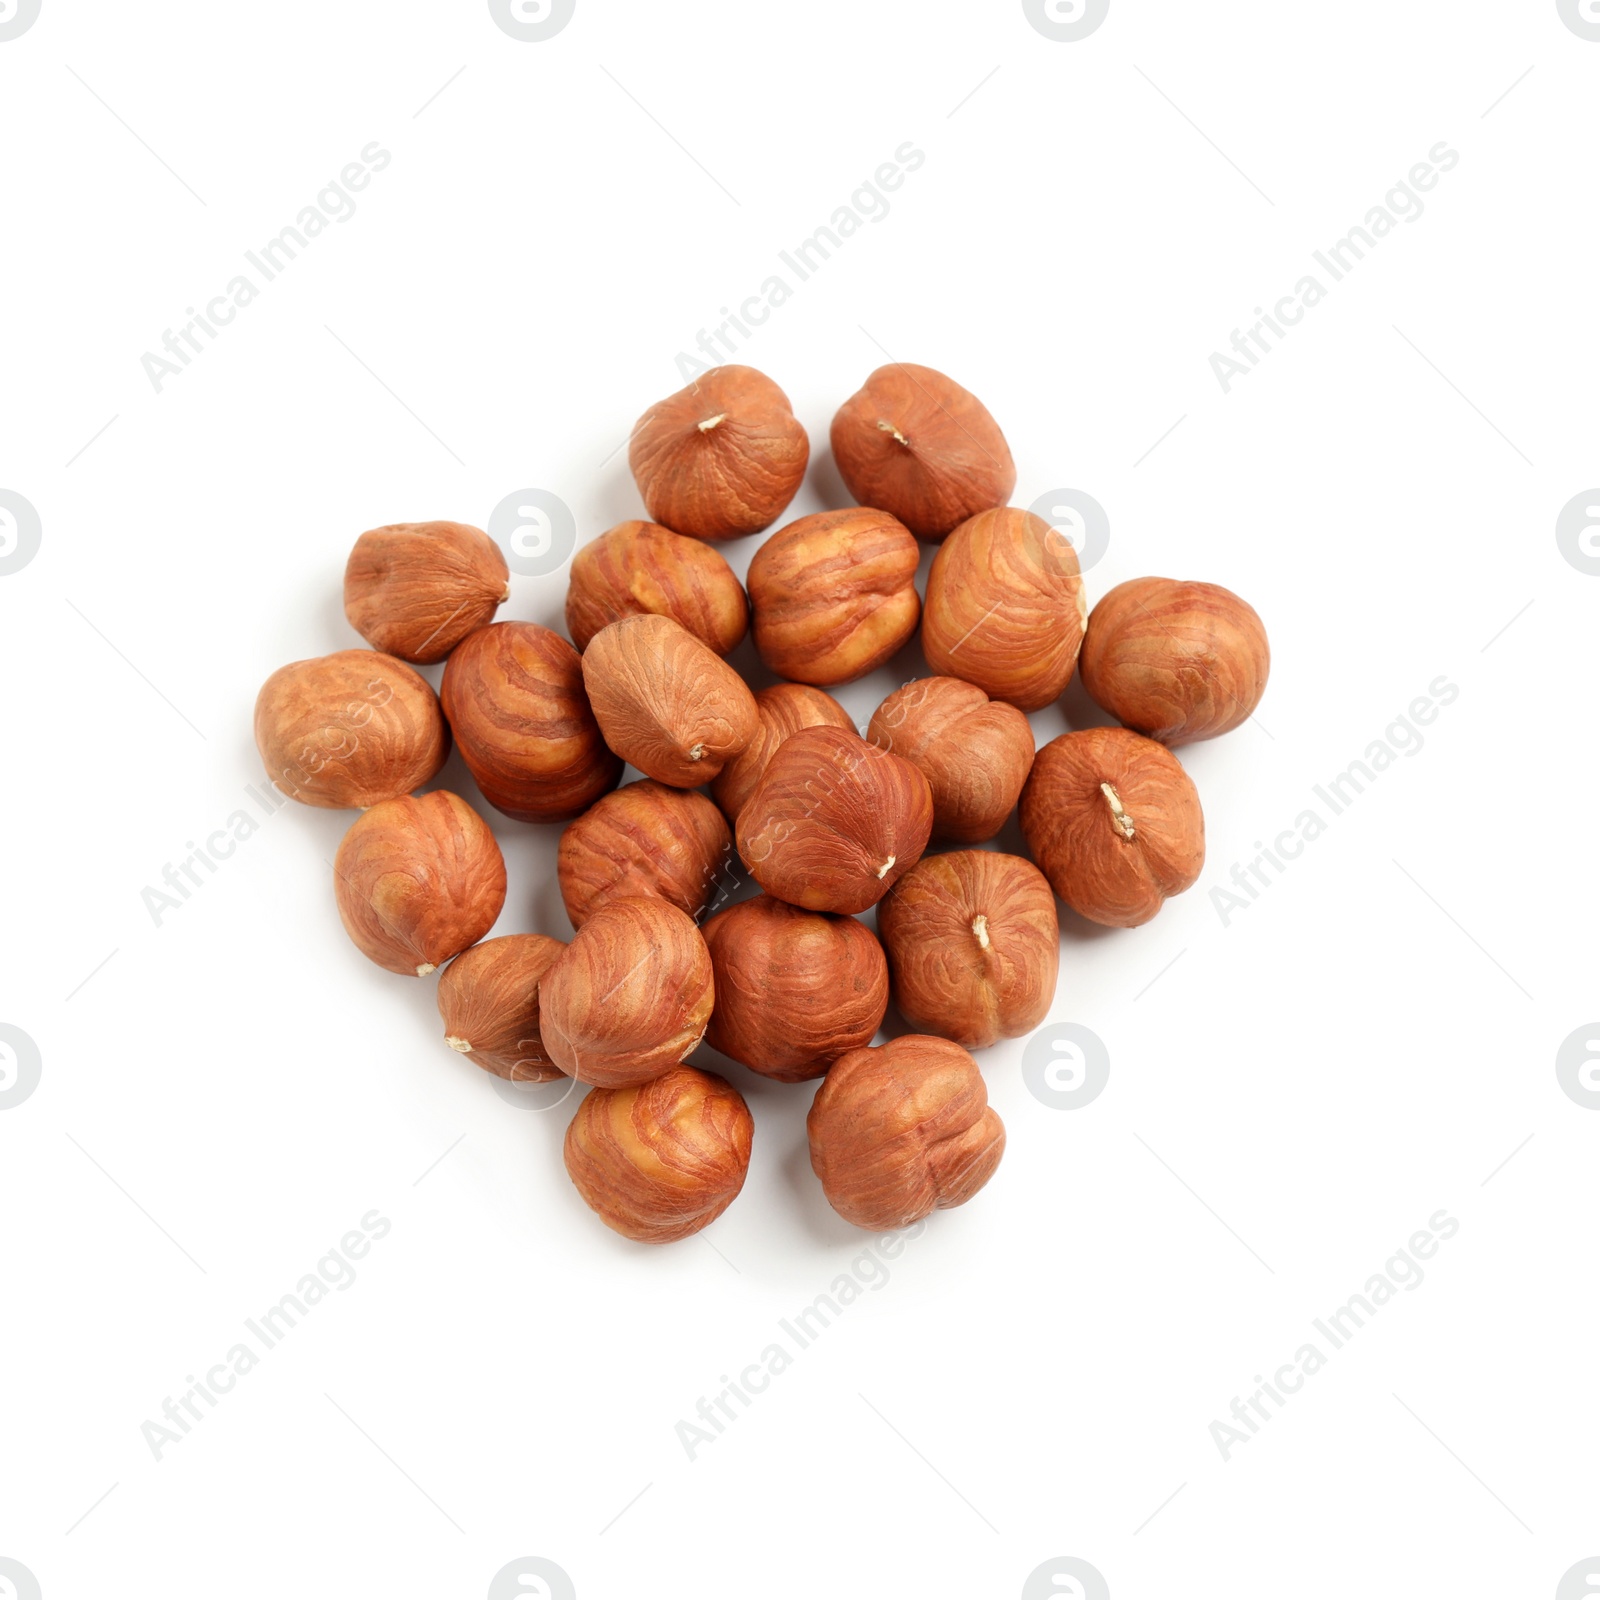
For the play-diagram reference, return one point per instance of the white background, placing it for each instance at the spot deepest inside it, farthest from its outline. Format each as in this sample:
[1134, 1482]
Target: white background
[1292, 1095]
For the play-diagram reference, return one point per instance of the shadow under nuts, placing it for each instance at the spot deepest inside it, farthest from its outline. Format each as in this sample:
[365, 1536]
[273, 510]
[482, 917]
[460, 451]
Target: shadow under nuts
[834, 821]
[418, 880]
[783, 709]
[1176, 661]
[349, 730]
[513, 692]
[489, 1001]
[417, 589]
[974, 946]
[660, 1160]
[629, 997]
[833, 596]
[903, 1130]
[665, 702]
[794, 989]
[1115, 823]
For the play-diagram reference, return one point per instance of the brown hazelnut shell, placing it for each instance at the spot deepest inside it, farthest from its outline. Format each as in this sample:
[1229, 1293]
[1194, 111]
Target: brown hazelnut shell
[514, 694]
[1115, 824]
[783, 709]
[1173, 660]
[902, 1130]
[720, 458]
[916, 444]
[641, 568]
[833, 596]
[349, 729]
[834, 821]
[418, 880]
[795, 989]
[489, 1002]
[664, 702]
[1006, 608]
[417, 589]
[630, 996]
[659, 1161]
[974, 946]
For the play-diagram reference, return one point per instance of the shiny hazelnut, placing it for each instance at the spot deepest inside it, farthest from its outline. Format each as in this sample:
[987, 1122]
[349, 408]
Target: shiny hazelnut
[795, 989]
[1176, 661]
[515, 699]
[418, 881]
[1006, 608]
[721, 458]
[660, 1160]
[629, 997]
[349, 729]
[975, 752]
[834, 821]
[641, 568]
[833, 596]
[974, 946]
[417, 589]
[1114, 822]
[644, 839]
[489, 1000]
[916, 444]
[783, 709]
[903, 1130]
[665, 702]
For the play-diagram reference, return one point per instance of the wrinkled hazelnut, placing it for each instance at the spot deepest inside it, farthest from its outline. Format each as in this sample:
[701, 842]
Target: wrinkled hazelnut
[721, 458]
[1114, 822]
[641, 568]
[661, 1160]
[833, 596]
[629, 997]
[417, 589]
[489, 1000]
[834, 821]
[645, 839]
[795, 989]
[665, 702]
[783, 709]
[1006, 608]
[349, 729]
[1176, 661]
[514, 694]
[974, 946]
[975, 752]
[903, 1130]
[916, 444]
[418, 881]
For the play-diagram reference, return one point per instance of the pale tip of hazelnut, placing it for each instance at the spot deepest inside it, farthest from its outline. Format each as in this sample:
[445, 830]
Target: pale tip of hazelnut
[899, 438]
[1120, 820]
[980, 928]
[425, 969]
[507, 595]
[463, 1045]
[697, 752]
[711, 422]
[883, 871]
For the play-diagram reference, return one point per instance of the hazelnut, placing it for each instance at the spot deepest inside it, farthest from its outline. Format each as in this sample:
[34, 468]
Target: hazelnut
[1006, 608]
[489, 1000]
[974, 946]
[833, 596]
[783, 709]
[721, 458]
[513, 692]
[641, 567]
[903, 1130]
[629, 997]
[1115, 823]
[349, 729]
[645, 839]
[658, 1161]
[915, 443]
[418, 880]
[975, 752]
[417, 589]
[1176, 661]
[665, 702]
[795, 989]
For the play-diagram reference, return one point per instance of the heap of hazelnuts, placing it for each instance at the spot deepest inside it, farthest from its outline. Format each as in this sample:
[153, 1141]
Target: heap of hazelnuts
[829, 823]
